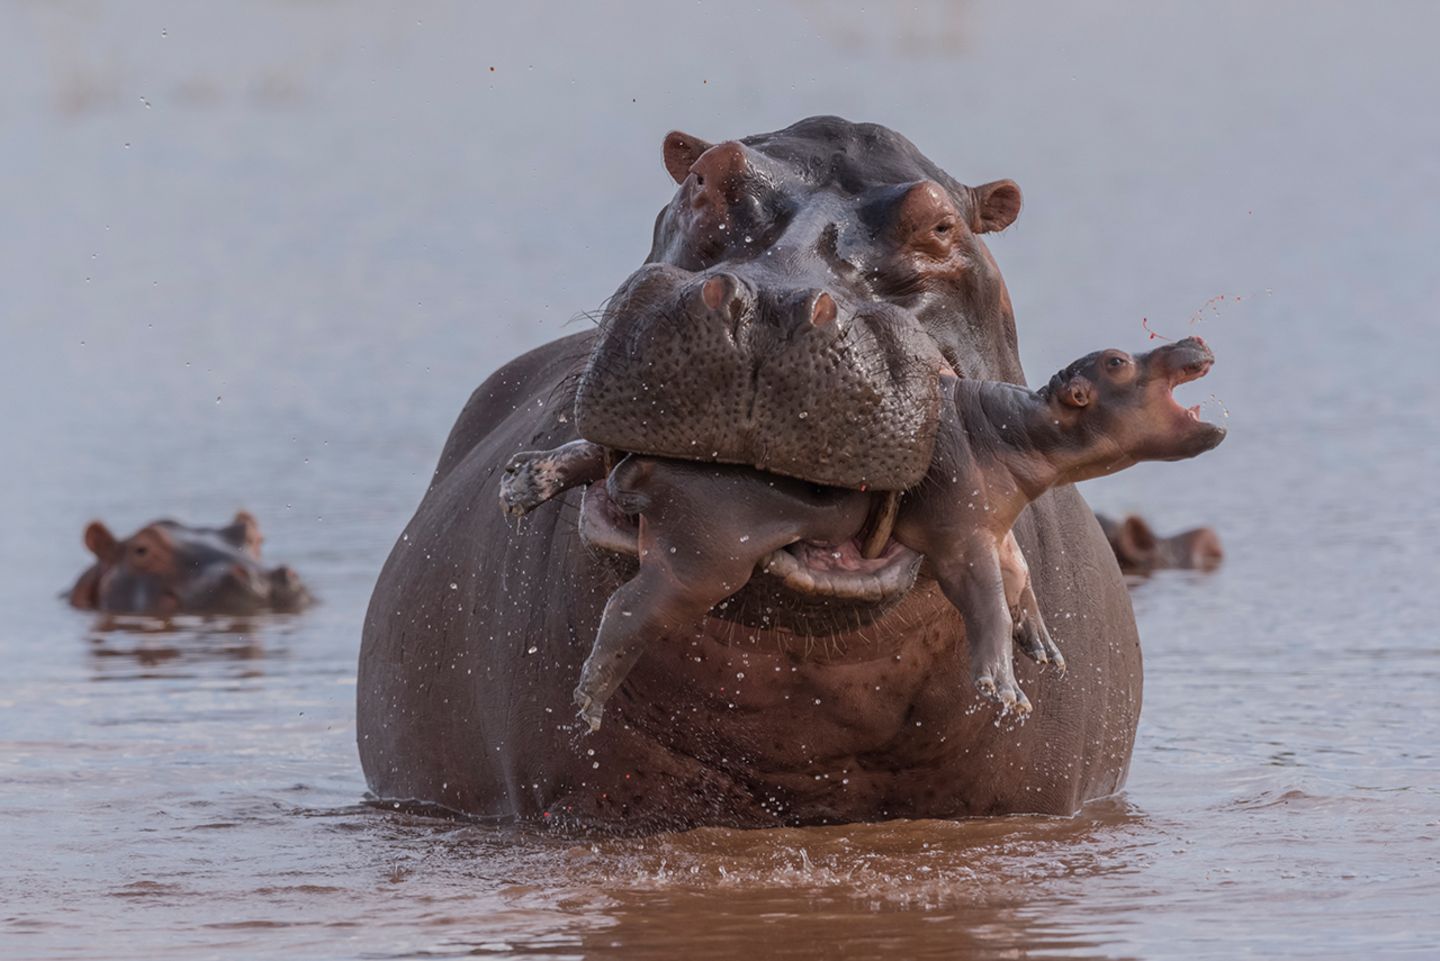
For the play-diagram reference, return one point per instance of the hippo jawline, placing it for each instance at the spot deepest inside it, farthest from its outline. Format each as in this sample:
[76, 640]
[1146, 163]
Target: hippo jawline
[833, 571]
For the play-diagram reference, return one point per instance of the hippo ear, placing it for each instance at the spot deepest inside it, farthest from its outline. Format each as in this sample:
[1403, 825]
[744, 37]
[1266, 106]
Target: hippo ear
[244, 533]
[682, 150]
[100, 541]
[1135, 539]
[994, 206]
[1077, 392]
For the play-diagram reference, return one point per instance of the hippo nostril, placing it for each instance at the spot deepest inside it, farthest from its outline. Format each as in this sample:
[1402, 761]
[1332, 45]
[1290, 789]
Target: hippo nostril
[822, 309]
[723, 292]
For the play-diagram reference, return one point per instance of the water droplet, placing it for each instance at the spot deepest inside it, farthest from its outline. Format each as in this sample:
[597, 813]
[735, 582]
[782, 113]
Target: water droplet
[217, 398]
[454, 586]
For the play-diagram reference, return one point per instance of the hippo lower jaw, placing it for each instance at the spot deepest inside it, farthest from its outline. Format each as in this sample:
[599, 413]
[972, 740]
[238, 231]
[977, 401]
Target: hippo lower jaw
[816, 570]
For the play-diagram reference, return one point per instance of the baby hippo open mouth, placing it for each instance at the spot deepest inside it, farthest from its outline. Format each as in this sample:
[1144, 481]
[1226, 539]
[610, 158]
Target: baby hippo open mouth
[701, 531]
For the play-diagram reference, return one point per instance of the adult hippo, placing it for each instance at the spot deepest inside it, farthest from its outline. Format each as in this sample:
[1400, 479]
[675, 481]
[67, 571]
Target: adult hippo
[804, 293]
[168, 568]
[1141, 552]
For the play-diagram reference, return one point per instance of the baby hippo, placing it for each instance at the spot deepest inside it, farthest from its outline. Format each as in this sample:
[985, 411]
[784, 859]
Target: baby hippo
[167, 568]
[704, 528]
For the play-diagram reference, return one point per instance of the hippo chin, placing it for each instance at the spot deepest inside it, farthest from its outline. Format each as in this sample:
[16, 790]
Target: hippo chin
[167, 568]
[806, 292]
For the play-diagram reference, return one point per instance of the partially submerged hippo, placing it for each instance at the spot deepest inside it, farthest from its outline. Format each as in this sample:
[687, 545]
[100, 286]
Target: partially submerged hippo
[702, 530]
[1140, 551]
[803, 291]
[167, 568]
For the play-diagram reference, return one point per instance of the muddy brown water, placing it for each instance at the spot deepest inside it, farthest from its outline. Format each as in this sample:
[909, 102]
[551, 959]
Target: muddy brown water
[259, 257]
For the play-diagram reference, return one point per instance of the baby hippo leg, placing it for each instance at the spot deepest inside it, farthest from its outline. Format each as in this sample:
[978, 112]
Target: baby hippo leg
[972, 580]
[702, 529]
[532, 477]
[1031, 635]
[671, 593]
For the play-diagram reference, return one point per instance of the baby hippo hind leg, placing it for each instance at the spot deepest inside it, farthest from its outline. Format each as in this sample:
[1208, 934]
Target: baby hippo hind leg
[532, 477]
[1031, 634]
[972, 580]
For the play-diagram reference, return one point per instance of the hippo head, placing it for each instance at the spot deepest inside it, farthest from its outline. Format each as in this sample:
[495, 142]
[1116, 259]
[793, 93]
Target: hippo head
[167, 568]
[1140, 551]
[1123, 409]
[803, 291]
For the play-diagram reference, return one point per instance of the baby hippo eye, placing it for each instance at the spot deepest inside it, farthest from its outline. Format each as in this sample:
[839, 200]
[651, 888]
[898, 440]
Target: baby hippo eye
[1115, 363]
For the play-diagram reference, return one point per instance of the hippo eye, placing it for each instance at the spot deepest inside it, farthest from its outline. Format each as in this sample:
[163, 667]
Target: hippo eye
[1115, 363]
[141, 550]
[943, 227]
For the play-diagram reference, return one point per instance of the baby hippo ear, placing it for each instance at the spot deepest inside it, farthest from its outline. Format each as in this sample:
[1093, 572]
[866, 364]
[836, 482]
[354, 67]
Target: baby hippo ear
[1077, 392]
[99, 540]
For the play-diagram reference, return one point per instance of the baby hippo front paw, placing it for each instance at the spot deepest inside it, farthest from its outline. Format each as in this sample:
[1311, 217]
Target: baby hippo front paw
[591, 710]
[1035, 642]
[531, 478]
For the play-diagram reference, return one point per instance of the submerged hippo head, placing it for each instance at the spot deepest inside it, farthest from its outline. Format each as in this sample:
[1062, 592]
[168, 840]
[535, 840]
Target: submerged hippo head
[1111, 401]
[167, 568]
[803, 290]
[1140, 551]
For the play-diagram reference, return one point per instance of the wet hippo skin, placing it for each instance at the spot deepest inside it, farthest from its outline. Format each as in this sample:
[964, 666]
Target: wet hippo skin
[827, 269]
[169, 568]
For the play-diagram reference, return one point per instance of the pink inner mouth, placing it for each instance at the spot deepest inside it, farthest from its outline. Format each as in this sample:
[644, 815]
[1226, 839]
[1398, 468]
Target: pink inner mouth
[1184, 375]
[831, 570]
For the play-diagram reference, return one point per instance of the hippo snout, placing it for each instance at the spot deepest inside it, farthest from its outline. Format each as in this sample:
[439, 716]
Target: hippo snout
[1191, 357]
[787, 378]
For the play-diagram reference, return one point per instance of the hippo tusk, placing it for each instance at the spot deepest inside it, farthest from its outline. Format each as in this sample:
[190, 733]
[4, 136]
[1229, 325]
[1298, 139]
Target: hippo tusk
[883, 524]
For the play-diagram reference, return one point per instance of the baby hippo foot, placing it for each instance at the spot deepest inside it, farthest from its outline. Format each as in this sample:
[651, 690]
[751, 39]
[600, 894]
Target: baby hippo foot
[591, 710]
[1035, 642]
[996, 683]
[531, 478]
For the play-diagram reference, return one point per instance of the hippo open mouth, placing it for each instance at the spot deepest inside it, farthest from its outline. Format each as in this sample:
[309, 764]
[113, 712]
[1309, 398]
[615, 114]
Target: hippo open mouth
[841, 571]
[1180, 363]
[1192, 363]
